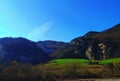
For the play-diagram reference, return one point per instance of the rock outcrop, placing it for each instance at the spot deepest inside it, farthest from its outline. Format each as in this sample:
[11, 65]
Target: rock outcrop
[93, 45]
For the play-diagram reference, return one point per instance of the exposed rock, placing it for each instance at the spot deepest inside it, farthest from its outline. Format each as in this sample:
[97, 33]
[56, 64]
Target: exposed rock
[93, 45]
[89, 52]
[103, 50]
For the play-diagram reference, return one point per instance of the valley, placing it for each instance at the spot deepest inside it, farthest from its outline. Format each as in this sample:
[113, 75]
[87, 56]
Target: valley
[95, 55]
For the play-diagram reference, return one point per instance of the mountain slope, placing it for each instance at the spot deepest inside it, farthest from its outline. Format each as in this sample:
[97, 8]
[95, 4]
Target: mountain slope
[112, 33]
[93, 45]
[50, 46]
[21, 50]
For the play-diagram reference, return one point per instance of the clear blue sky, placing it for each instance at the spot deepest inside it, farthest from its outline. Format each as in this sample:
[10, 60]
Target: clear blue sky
[60, 20]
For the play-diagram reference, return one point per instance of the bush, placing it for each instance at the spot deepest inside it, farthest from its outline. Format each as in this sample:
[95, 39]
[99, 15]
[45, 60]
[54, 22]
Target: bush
[71, 70]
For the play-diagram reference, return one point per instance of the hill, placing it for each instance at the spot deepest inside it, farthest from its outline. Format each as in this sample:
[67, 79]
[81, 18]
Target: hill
[21, 50]
[93, 45]
[50, 46]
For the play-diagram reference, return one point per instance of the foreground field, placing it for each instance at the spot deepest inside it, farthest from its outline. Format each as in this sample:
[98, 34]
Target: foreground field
[62, 70]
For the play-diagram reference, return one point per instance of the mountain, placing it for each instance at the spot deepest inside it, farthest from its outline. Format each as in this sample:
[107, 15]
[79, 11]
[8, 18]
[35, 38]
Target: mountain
[50, 46]
[21, 50]
[93, 45]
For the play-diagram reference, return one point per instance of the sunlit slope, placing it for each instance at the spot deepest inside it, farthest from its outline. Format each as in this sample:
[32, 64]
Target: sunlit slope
[108, 61]
[61, 61]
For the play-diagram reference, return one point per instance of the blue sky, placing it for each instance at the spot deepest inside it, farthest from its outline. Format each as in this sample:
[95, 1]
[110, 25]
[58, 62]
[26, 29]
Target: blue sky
[60, 20]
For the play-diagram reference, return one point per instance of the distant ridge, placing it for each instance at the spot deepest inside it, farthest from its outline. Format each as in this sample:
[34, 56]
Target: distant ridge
[21, 50]
[93, 45]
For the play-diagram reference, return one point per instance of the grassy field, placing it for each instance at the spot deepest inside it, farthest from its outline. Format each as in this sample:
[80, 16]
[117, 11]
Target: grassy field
[62, 70]
[61, 61]
[108, 61]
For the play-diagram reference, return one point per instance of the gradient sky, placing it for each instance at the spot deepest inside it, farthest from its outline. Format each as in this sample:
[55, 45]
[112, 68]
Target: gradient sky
[60, 20]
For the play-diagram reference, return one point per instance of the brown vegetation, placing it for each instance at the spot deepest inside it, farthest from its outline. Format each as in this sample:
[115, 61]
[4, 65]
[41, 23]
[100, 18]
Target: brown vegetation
[53, 72]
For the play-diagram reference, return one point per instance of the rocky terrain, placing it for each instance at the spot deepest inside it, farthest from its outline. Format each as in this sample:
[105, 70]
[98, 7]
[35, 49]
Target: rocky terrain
[93, 45]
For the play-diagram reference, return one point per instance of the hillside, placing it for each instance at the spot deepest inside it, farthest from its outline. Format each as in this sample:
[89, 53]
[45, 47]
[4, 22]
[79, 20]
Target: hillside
[95, 55]
[93, 45]
[21, 50]
[50, 46]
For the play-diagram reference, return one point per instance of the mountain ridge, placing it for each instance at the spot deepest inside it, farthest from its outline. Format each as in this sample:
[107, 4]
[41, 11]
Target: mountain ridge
[93, 46]
[21, 50]
[50, 46]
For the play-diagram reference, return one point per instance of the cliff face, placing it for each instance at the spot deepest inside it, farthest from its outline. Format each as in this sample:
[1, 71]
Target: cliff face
[93, 45]
[99, 51]
[93, 49]
[102, 50]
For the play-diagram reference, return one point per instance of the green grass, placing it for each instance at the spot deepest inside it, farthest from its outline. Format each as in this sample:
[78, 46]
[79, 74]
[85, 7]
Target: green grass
[62, 61]
[108, 61]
